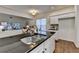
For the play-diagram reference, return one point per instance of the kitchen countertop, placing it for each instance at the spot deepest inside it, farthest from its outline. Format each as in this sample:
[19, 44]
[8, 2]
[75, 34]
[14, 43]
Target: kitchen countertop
[20, 47]
[8, 33]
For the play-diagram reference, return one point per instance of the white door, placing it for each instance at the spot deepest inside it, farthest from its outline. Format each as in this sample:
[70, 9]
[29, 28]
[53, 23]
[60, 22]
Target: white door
[67, 29]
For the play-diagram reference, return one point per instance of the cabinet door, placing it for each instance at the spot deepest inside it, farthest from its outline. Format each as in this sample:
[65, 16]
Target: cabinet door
[52, 44]
[38, 49]
[47, 46]
[53, 20]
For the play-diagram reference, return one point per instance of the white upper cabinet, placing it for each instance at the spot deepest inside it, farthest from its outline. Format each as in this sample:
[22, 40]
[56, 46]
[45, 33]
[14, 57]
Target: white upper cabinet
[53, 20]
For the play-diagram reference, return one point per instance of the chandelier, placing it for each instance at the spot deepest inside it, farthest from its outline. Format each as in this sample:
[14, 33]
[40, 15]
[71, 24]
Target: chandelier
[33, 12]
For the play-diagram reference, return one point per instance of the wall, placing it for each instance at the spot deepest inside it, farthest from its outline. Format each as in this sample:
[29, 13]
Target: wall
[21, 20]
[77, 25]
[9, 11]
[32, 22]
[67, 29]
[64, 13]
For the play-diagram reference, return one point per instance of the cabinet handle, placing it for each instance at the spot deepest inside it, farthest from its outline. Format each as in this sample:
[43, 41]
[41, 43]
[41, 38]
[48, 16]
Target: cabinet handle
[43, 51]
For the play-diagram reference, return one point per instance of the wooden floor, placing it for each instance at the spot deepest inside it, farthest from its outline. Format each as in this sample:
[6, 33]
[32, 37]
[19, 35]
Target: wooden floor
[65, 47]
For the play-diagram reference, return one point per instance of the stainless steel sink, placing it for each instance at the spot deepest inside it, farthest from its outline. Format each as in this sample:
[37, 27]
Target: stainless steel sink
[27, 40]
[32, 39]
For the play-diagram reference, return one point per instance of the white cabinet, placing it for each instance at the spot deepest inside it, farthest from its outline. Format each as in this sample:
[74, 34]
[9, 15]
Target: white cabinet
[46, 47]
[38, 49]
[53, 20]
[49, 45]
[52, 43]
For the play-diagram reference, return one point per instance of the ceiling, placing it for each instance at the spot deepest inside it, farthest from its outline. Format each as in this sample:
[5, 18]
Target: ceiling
[41, 8]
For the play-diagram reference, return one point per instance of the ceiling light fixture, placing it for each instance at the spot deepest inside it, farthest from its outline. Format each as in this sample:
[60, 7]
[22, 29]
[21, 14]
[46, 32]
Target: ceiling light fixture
[33, 12]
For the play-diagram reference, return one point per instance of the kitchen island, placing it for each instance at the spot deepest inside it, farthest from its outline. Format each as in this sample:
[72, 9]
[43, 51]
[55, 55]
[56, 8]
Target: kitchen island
[13, 44]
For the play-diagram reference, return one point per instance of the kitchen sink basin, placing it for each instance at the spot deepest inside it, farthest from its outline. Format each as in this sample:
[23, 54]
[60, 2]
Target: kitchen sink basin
[32, 39]
[27, 40]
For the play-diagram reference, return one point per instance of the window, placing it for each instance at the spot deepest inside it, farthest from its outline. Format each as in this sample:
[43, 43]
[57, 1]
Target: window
[41, 25]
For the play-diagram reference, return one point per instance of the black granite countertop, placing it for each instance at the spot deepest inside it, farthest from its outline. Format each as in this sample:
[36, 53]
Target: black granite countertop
[19, 47]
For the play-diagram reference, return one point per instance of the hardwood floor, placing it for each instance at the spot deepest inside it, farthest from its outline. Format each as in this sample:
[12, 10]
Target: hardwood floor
[65, 47]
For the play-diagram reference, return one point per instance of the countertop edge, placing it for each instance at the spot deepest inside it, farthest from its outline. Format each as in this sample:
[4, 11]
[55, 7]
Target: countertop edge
[39, 43]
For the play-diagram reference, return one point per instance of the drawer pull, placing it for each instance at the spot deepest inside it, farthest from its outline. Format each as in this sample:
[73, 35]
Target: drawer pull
[43, 51]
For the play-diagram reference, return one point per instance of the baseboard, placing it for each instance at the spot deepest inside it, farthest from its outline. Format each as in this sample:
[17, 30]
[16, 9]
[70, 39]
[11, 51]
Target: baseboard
[76, 44]
[65, 40]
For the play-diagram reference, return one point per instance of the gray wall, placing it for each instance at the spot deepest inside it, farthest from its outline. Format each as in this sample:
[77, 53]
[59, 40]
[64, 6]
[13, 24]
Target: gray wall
[21, 20]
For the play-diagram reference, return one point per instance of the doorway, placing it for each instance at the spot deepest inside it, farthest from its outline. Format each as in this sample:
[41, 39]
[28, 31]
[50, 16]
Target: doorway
[67, 28]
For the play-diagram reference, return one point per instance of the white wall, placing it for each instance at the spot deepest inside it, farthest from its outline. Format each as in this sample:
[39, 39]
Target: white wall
[67, 29]
[62, 33]
[32, 22]
[5, 10]
[62, 11]
[77, 25]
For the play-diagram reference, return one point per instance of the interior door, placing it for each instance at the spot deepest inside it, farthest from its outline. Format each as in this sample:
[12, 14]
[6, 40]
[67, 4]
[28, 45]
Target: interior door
[67, 29]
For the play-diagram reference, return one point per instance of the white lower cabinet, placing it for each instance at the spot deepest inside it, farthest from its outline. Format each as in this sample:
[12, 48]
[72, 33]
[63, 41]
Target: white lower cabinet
[46, 47]
[38, 49]
[52, 43]
[49, 45]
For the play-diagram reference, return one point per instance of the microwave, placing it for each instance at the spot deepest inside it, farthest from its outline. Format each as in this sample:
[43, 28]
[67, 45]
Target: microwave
[54, 27]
